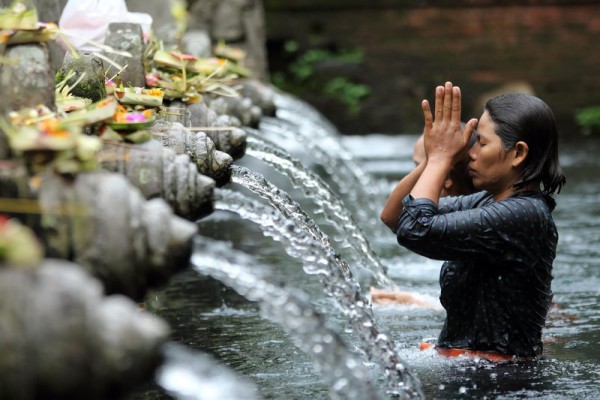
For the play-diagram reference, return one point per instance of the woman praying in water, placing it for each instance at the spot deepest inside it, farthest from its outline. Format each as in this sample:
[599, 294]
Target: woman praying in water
[498, 244]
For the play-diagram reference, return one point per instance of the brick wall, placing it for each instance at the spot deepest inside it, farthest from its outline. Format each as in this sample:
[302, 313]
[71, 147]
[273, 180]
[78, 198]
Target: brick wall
[553, 49]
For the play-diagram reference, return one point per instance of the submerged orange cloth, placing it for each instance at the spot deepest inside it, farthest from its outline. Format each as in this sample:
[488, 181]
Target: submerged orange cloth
[494, 357]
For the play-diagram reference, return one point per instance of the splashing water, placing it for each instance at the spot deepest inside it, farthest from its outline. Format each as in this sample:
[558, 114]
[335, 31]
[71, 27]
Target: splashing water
[330, 203]
[191, 375]
[352, 182]
[347, 376]
[377, 346]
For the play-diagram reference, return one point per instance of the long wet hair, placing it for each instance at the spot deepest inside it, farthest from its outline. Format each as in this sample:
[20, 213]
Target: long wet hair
[522, 117]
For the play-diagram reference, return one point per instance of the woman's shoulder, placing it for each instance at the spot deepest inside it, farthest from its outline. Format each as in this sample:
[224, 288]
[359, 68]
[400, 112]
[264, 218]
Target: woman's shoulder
[528, 198]
[526, 204]
[464, 202]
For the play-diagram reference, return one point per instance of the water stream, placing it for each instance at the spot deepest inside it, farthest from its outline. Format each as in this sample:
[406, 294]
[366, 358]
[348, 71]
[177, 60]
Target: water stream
[322, 261]
[192, 375]
[328, 202]
[347, 376]
[340, 284]
[351, 181]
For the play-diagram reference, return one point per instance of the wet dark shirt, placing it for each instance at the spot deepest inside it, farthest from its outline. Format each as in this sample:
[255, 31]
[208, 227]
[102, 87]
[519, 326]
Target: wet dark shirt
[495, 283]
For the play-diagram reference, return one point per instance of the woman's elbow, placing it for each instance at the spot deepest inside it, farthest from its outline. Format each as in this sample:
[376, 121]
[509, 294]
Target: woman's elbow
[389, 220]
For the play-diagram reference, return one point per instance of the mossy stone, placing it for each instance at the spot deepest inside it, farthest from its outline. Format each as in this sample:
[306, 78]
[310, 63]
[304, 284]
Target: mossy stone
[91, 85]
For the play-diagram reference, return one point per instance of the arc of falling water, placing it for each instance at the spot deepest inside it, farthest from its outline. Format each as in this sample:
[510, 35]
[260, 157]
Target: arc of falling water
[354, 184]
[316, 127]
[347, 376]
[399, 379]
[193, 375]
[334, 209]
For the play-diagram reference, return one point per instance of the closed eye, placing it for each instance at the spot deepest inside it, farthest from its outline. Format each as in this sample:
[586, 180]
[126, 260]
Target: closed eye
[479, 141]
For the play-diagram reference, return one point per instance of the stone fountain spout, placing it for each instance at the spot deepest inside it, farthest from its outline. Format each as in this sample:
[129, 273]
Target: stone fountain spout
[198, 146]
[103, 223]
[61, 337]
[160, 173]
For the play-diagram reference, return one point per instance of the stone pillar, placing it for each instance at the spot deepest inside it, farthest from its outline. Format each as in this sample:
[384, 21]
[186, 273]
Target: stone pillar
[127, 37]
[240, 23]
[163, 23]
[27, 80]
[50, 11]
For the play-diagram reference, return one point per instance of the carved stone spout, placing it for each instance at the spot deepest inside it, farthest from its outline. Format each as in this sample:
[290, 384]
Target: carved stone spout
[61, 338]
[198, 146]
[158, 172]
[224, 130]
[102, 222]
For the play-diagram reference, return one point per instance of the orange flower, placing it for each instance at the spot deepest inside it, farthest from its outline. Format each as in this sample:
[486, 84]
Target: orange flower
[51, 127]
[154, 92]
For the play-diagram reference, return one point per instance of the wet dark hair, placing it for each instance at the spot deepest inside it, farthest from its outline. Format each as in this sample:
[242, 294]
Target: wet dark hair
[522, 117]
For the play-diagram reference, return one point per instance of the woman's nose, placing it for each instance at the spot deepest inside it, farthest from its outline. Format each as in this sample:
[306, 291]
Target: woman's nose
[471, 153]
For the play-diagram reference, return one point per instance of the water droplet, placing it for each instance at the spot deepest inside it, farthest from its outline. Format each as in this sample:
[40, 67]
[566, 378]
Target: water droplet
[381, 337]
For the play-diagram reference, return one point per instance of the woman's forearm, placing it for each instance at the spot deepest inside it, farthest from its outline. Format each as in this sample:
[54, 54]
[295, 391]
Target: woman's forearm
[424, 182]
[430, 183]
[393, 206]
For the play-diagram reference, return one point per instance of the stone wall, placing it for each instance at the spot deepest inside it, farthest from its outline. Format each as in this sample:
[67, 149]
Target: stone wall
[550, 47]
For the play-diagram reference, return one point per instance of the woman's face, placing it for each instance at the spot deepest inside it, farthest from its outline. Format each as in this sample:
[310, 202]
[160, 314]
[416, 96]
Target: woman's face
[490, 164]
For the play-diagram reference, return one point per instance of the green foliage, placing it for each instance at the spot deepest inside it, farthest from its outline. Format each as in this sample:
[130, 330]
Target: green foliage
[347, 92]
[588, 119]
[301, 73]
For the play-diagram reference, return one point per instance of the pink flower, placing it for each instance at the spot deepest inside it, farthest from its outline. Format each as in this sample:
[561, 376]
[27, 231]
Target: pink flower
[186, 57]
[151, 79]
[135, 117]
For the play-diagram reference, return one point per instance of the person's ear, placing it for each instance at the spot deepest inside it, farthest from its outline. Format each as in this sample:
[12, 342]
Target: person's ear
[448, 183]
[521, 152]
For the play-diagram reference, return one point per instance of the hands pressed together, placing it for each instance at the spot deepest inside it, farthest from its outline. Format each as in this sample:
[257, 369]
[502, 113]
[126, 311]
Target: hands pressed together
[445, 143]
[443, 137]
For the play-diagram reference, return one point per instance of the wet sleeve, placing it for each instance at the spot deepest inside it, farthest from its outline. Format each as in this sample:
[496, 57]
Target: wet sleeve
[461, 203]
[498, 231]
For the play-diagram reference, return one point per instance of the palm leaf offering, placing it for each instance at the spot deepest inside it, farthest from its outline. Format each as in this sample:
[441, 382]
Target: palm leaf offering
[18, 244]
[140, 96]
[186, 77]
[64, 99]
[99, 111]
[45, 142]
[18, 16]
[43, 33]
[125, 119]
